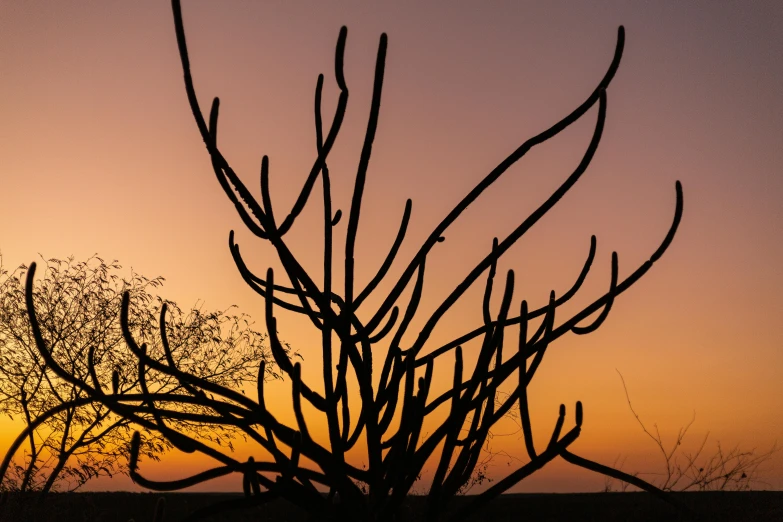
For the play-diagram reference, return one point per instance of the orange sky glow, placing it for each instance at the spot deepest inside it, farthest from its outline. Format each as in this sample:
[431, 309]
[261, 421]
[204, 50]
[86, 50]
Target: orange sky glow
[99, 153]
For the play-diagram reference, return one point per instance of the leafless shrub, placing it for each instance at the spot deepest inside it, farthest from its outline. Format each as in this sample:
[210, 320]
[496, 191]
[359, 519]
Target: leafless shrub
[735, 469]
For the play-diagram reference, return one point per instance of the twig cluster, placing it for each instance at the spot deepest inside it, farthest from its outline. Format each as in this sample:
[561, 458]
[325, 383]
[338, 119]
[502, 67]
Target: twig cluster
[77, 307]
[735, 469]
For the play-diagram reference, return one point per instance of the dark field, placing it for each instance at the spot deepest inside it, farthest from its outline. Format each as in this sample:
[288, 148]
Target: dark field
[121, 507]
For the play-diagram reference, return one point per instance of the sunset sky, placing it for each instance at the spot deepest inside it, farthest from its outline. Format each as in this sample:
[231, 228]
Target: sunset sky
[99, 153]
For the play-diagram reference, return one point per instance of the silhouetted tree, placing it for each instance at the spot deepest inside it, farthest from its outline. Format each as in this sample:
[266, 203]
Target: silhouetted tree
[78, 306]
[394, 399]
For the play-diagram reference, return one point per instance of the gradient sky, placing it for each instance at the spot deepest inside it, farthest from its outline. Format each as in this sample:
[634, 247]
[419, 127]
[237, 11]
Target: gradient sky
[99, 153]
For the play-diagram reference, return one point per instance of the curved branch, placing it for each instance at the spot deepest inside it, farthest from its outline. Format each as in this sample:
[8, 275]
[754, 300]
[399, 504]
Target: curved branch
[625, 477]
[515, 156]
[582, 330]
[519, 231]
[337, 121]
[387, 262]
[590, 309]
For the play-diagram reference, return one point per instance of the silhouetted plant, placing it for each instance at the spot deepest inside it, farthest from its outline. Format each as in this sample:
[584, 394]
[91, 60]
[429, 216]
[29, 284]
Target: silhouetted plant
[735, 469]
[77, 308]
[393, 404]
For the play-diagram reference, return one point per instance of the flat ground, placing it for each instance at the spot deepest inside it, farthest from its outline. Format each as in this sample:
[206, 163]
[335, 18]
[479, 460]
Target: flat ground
[604, 507]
